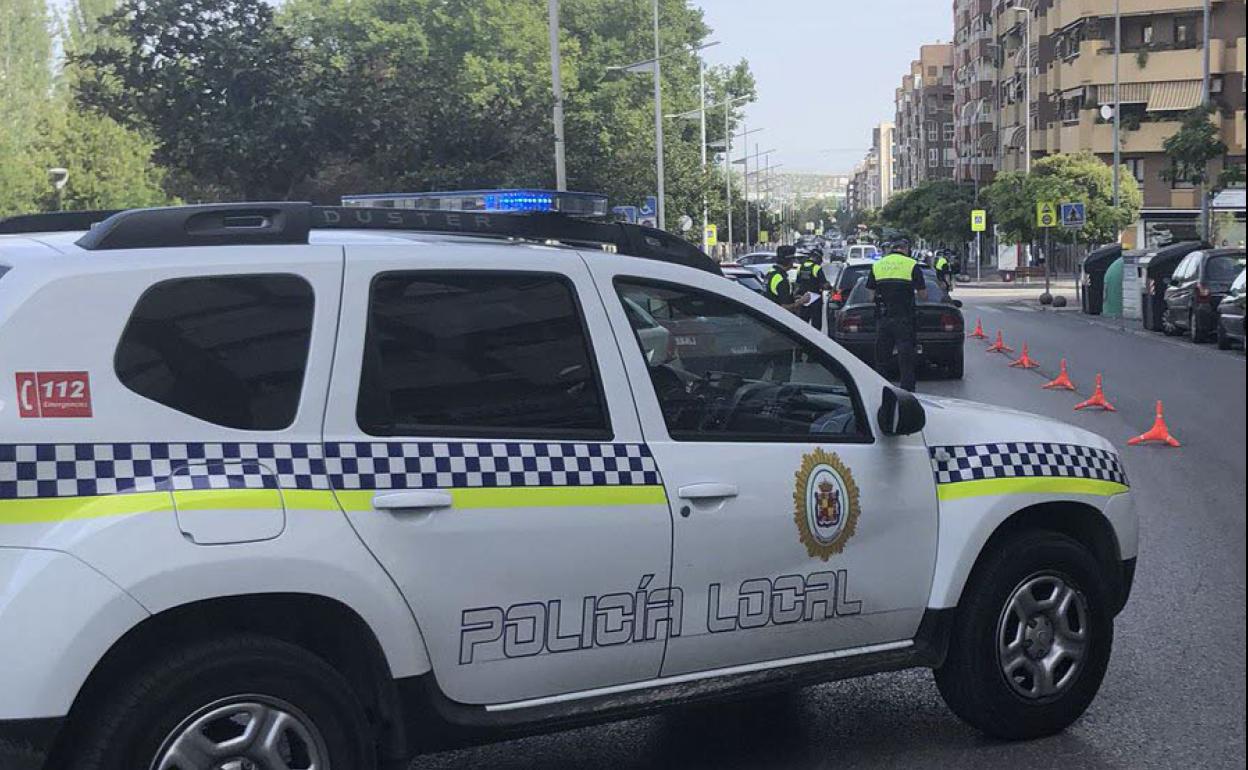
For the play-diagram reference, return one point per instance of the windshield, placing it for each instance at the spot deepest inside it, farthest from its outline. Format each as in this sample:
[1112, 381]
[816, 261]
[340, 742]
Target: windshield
[750, 282]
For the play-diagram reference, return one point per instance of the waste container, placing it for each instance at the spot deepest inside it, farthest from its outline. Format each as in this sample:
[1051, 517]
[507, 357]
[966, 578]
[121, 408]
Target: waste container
[1156, 269]
[1112, 304]
[1093, 272]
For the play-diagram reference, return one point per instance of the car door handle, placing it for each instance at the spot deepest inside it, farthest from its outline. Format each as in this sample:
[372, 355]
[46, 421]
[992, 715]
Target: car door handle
[415, 500]
[709, 491]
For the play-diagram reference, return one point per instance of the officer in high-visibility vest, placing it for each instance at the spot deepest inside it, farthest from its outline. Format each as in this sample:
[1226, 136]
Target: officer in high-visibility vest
[944, 270]
[893, 284]
[811, 280]
[778, 287]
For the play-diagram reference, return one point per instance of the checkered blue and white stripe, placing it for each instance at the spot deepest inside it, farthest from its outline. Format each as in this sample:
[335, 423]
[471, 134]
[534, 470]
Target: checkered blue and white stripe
[975, 462]
[73, 470]
[433, 465]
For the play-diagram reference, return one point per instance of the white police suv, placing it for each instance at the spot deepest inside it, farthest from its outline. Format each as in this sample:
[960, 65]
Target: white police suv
[286, 487]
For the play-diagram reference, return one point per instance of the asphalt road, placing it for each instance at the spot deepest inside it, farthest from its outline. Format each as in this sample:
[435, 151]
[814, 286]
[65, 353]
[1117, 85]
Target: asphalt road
[1175, 692]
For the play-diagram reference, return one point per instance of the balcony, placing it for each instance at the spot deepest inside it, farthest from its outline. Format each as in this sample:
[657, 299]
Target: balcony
[1095, 64]
[1070, 11]
[1087, 134]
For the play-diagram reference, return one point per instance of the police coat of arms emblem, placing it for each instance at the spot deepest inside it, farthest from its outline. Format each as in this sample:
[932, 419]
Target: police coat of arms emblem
[825, 500]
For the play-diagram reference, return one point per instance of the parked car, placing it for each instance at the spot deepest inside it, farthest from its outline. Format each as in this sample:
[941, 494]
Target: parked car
[757, 258]
[846, 278]
[744, 276]
[940, 326]
[1199, 283]
[862, 251]
[1159, 265]
[1231, 315]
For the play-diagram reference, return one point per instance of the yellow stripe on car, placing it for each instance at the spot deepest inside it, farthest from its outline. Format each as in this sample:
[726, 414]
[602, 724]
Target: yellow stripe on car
[40, 510]
[962, 490]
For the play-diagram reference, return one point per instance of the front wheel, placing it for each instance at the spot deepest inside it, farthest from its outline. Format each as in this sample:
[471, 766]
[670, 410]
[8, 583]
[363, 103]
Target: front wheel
[1032, 638]
[956, 368]
[235, 702]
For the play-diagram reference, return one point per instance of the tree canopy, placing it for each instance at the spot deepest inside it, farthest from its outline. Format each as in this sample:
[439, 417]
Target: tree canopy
[938, 211]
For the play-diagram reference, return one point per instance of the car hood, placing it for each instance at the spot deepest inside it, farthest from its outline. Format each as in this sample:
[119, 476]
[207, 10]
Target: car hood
[954, 422]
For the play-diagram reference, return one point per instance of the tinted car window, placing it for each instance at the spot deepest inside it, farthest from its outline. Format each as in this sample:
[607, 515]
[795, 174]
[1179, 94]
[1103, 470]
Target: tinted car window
[1223, 269]
[230, 350]
[735, 375]
[935, 292]
[750, 282]
[850, 275]
[1238, 286]
[477, 354]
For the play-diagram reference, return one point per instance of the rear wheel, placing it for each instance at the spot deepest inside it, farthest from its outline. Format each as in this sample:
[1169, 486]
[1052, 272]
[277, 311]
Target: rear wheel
[1224, 342]
[238, 703]
[956, 366]
[1194, 331]
[1031, 640]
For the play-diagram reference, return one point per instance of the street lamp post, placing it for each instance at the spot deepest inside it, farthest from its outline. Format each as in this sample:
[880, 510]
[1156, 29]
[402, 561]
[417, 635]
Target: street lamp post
[556, 84]
[1204, 102]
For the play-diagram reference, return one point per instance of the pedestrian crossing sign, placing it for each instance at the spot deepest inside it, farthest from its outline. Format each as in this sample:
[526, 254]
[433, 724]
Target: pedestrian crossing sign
[979, 220]
[1046, 215]
[763, 236]
[712, 235]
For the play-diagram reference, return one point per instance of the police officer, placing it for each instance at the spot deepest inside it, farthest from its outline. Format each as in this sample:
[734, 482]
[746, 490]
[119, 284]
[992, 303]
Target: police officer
[893, 284]
[811, 279]
[778, 286]
[944, 270]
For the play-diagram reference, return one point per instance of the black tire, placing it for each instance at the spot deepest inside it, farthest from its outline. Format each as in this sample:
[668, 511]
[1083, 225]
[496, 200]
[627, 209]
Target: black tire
[971, 680]
[128, 727]
[956, 367]
[1224, 342]
[1193, 328]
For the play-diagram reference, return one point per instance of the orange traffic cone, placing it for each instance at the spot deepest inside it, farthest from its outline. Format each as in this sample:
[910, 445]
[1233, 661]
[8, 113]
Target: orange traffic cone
[1159, 432]
[1025, 362]
[1098, 399]
[999, 346]
[979, 331]
[1061, 381]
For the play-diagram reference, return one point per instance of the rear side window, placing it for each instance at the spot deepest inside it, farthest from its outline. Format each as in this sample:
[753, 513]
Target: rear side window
[229, 350]
[1223, 269]
[504, 355]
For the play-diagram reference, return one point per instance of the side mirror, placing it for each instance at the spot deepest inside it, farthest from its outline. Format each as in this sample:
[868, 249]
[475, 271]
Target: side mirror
[900, 413]
[957, 303]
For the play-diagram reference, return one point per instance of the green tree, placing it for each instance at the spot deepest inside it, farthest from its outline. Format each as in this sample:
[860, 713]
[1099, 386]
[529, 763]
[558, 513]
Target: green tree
[1190, 149]
[218, 85]
[25, 93]
[938, 211]
[1080, 177]
[110, 166]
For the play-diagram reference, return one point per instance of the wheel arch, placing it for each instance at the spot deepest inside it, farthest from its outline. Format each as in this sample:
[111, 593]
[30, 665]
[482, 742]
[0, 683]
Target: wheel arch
[324, 626]
[963, 549]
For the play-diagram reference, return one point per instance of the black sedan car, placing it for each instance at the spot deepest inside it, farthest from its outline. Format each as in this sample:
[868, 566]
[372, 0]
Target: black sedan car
[940, 326]
[1231, 315]
[1200, 282]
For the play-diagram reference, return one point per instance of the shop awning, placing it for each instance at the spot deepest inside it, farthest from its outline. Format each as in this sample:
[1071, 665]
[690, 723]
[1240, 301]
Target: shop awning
[1128, 93]
[1174, 95]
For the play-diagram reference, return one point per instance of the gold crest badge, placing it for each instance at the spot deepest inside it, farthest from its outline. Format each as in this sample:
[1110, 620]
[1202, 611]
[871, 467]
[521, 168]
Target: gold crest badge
[825, 501]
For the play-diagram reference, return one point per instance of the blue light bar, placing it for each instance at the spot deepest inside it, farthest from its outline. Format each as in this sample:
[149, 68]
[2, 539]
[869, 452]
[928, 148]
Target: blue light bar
[513, 200]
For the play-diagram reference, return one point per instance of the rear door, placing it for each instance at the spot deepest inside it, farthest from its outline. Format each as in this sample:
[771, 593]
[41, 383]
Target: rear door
[483, 441]
[1178, 296]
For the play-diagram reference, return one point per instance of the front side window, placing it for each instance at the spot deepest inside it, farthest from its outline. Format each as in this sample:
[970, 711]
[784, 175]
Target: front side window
[731, 374]
[503, 355]
[230, 350]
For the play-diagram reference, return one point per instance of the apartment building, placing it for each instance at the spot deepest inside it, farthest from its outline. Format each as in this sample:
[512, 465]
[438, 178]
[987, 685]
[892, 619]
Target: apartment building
[871, 183]
[1070, 45]
[923, 139]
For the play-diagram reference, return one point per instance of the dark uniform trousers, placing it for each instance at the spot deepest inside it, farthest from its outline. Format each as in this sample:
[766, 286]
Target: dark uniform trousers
[897, 331]
[812, 314]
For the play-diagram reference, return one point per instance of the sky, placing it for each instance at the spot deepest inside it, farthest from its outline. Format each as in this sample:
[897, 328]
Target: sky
[825, 69]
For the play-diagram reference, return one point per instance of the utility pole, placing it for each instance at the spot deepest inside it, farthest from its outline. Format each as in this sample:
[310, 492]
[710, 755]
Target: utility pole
[702, 128]
[556, 82]
[728, 172]
[658, 121]
[1204, 186]
[1117, 104]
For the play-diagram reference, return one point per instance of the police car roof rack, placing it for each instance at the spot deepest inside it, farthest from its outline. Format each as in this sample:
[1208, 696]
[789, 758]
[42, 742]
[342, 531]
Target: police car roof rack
[53, 222]
[233, 224]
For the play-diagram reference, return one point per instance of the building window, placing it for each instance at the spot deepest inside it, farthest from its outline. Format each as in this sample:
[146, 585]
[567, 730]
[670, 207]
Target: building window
[933, 158]
[1136, 167]
[948, 132]
[1187, 31]
[1148, 34]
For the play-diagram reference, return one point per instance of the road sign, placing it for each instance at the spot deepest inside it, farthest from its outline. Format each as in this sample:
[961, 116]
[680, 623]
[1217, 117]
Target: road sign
[712, 235]
[1074, 215]
[762, 236]
[979, 220]
[625, 214]
[1046, 215]
[648, 215]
